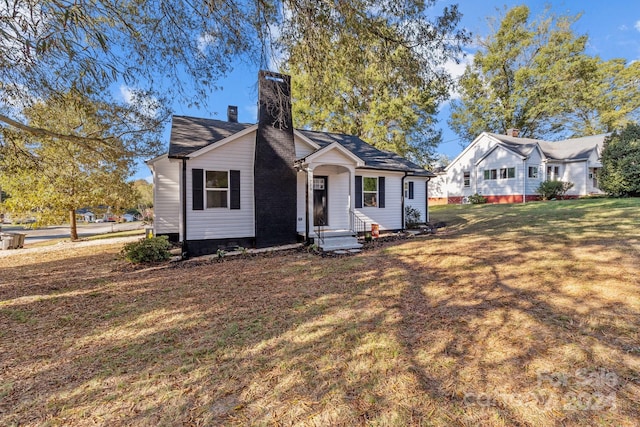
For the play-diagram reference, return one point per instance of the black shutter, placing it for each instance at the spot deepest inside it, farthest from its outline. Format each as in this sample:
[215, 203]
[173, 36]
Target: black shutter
[410, 189]
[381, 191]
[358, 191]
[234, 188]
[197, 185]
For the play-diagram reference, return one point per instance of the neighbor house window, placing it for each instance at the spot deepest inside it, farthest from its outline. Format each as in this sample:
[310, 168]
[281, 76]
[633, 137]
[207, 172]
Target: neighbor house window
[553, 172]
[370, 191]
[533, 172]
[506, 173]
[467, 179]
[217, 188]
[490, 174]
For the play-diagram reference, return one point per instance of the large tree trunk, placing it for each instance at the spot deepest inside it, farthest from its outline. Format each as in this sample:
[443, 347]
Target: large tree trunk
[73, 227]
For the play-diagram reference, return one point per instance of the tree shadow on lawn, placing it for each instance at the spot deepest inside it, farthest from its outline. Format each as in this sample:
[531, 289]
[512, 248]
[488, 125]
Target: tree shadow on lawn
[544, 346]
[405, 335]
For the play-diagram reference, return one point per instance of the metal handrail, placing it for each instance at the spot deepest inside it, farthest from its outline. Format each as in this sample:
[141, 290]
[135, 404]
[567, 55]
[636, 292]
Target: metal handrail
[358, 226]
[320, 233]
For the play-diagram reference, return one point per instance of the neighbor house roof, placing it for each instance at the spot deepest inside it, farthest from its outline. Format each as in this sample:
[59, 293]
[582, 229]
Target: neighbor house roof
[568, 149]
[190, 134]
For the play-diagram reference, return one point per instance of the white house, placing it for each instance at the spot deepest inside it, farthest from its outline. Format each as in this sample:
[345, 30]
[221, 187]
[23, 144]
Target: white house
[225, 184]
[509, 169]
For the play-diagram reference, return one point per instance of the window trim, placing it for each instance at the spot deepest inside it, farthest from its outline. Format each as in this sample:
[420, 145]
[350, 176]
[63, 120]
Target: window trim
[466, 179]
[507, 173]
[535, 170]
[364, 192]
[226, 189]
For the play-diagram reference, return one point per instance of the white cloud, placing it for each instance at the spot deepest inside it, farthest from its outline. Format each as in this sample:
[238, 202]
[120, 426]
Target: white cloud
[637, 25]
[148, 105]
[456, 69]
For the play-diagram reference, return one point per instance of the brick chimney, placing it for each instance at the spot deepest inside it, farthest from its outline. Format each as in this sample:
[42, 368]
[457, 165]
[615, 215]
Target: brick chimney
[232, 114]
[513, 132]
[275, 179]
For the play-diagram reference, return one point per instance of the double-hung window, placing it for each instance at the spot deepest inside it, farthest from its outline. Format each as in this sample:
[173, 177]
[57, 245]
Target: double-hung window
[533, 172]
[466, 176]
[217, 189]
[370, 191]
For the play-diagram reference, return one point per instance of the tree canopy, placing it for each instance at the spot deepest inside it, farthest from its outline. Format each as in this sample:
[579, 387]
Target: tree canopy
[59, 175]
[534, 75]
[375, 71]
[159, 51]
[620, 175]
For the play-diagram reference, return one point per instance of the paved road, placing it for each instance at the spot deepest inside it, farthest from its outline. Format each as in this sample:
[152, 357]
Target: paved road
[62, 232]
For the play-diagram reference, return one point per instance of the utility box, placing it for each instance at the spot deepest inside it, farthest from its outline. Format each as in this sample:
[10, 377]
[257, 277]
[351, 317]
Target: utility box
[7, 241]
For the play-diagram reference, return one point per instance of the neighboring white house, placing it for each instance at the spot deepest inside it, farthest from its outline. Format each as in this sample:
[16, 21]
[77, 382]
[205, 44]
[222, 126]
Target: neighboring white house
[225, 184]
[509, 169]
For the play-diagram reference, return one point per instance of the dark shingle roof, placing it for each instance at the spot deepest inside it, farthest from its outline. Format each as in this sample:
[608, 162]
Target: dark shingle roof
[189, 134]
[373, 157]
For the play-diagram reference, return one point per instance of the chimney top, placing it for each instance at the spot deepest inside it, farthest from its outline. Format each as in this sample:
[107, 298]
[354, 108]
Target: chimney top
[232, 114]
[513, 132]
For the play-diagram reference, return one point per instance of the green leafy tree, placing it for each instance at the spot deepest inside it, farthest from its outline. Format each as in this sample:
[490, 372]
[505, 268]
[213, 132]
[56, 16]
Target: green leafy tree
[620, 175]
[375, 70]
[534, 75]
[58, 176]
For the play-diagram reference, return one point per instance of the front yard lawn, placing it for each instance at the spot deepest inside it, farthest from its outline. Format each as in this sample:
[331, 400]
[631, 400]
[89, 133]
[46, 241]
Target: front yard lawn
[511, 315]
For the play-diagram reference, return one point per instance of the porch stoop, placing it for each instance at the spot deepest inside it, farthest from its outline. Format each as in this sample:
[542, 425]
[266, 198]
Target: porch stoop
[339, 240]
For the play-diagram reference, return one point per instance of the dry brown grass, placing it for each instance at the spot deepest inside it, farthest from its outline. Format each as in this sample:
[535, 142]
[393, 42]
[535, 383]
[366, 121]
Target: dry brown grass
[498, 322]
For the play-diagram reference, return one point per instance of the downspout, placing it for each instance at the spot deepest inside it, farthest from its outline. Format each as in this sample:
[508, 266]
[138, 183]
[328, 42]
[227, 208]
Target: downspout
[426, 199]
[402, 203]
[524, 180]
[185, 249]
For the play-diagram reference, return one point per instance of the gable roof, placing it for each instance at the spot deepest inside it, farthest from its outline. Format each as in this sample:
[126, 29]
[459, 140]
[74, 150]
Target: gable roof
[573, 149]
[191, 134]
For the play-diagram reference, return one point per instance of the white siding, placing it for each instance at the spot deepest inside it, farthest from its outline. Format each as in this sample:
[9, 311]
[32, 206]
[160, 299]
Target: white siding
[577, 173]
[532, 184]
[338, 192]
[389, 217]
[499, 159]
[166, 195]
[419, 195]
[438, 187]
[220, 223]
[466, 163]
[301, 203]
[303, 149]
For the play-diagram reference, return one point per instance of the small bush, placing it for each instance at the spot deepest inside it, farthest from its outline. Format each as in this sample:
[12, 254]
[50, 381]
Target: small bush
[155, 249]
[411, 217]
[553, 189]
[477, 199]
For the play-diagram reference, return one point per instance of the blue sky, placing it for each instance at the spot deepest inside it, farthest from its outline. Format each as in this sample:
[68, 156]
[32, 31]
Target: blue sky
[613, 27]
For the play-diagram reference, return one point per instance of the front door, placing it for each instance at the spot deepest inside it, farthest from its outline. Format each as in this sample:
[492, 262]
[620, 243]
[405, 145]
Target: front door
[320, 202]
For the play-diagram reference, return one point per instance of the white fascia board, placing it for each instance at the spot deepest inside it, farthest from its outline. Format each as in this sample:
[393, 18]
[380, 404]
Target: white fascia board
[334, 146]
[150, 162]
[305, 139]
